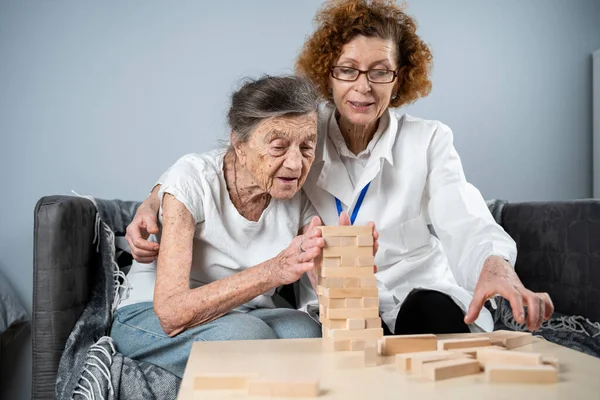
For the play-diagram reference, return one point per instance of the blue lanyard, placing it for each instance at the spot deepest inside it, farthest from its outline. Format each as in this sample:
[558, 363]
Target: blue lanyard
[359, 202]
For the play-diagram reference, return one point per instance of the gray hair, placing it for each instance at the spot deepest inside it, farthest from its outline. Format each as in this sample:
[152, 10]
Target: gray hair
[268, 97]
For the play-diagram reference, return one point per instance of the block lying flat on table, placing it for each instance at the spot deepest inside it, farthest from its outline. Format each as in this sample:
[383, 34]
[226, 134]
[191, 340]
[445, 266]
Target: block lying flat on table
[510, 339]
[448, 344]
[549, 360]
[486, 357]
[222, 382]
[291, 388]
[438, 370]
[419, 361]
[472, 351]
[339, 293]
[352, 230]
[408, 344]
[521, 374]
[404, 361]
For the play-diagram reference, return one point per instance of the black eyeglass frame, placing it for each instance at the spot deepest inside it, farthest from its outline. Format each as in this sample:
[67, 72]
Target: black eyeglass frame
[366, 72]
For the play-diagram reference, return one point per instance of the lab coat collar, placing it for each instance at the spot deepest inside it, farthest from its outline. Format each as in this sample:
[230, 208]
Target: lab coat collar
[333, 176]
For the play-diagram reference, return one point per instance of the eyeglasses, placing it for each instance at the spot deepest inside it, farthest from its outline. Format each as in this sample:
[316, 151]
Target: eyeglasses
[350, 74]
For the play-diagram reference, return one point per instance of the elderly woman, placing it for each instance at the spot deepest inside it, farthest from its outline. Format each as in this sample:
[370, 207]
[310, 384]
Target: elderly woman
[402, 172]
[234, 228]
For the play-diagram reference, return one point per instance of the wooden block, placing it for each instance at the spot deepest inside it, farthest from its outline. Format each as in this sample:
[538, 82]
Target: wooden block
[368, 302]
[368, 281]
[419, 361]
[408, 344]
[472, 351]
[347, 313]
[353, 302]
[371, 356]
[322, 311]
[325, 331]
[510, 339]
[337, 345]
[330, 262]
[373, 323]
[332, 282]
[352, 230]
[404, 361]
[348, 261]
[357, 345]
[508, 357]
[339, 293]
[221, 382]
[438, 370]
[334, 323]
[352, 282]
[355, 324]
[366, 240]
[291, 388]
[549, 360]
[332, 303]
[349, 272]
[347, 251]
[375, 333]
[365, 261]
[347, 241]
[319, 290]
[521, 374]
[463, 343]
[332, 241]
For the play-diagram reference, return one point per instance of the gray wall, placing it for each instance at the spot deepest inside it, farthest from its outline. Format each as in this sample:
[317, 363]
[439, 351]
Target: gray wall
[100, 98]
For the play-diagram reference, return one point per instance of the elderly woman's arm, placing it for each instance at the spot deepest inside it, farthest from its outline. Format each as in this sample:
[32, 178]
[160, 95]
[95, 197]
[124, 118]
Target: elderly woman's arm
[178, 307]
[481, 253]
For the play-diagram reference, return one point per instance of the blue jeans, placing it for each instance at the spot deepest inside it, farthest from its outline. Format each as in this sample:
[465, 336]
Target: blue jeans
[137, 333]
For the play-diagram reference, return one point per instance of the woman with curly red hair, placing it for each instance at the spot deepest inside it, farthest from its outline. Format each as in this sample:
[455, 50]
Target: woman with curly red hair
[401, 172]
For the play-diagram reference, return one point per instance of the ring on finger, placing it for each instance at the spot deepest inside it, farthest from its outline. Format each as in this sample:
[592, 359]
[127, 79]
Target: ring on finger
[301, 249]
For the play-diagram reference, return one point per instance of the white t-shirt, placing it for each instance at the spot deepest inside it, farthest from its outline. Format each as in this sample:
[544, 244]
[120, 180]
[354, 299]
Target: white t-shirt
[224, 241]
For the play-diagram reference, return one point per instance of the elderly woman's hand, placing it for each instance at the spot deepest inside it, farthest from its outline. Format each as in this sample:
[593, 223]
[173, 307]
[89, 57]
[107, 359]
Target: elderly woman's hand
[141, 227]
[299, 256]
[498, 277]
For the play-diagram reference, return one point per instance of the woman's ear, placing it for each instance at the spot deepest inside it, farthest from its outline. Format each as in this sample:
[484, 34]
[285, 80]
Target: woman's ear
[238, 148]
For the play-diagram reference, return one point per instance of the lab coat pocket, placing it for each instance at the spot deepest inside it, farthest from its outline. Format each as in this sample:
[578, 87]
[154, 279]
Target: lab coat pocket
[415, 233]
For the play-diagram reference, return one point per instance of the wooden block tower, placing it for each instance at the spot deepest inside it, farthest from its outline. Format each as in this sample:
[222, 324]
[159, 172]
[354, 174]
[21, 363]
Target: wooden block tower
[347, 289]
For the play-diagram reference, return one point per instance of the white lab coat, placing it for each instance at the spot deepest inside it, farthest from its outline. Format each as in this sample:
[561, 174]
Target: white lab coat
[416, 180]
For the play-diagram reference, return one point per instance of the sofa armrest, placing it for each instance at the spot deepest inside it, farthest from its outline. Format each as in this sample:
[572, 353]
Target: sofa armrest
[559, 252]
[63, 258]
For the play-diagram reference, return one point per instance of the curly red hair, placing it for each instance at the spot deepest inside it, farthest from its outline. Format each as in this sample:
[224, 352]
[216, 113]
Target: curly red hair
[338, 22]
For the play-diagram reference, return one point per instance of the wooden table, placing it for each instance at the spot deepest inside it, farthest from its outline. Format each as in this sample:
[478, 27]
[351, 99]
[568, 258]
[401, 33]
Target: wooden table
[342, 376]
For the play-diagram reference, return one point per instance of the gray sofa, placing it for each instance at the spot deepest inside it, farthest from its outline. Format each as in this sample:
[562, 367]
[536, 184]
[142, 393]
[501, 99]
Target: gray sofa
[559, 252]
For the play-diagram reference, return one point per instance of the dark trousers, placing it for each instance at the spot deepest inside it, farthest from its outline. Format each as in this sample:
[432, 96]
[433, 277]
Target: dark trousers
[428, 311]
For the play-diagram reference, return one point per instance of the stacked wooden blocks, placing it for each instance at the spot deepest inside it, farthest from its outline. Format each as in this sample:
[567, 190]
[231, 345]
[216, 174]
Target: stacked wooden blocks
[347, 289]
